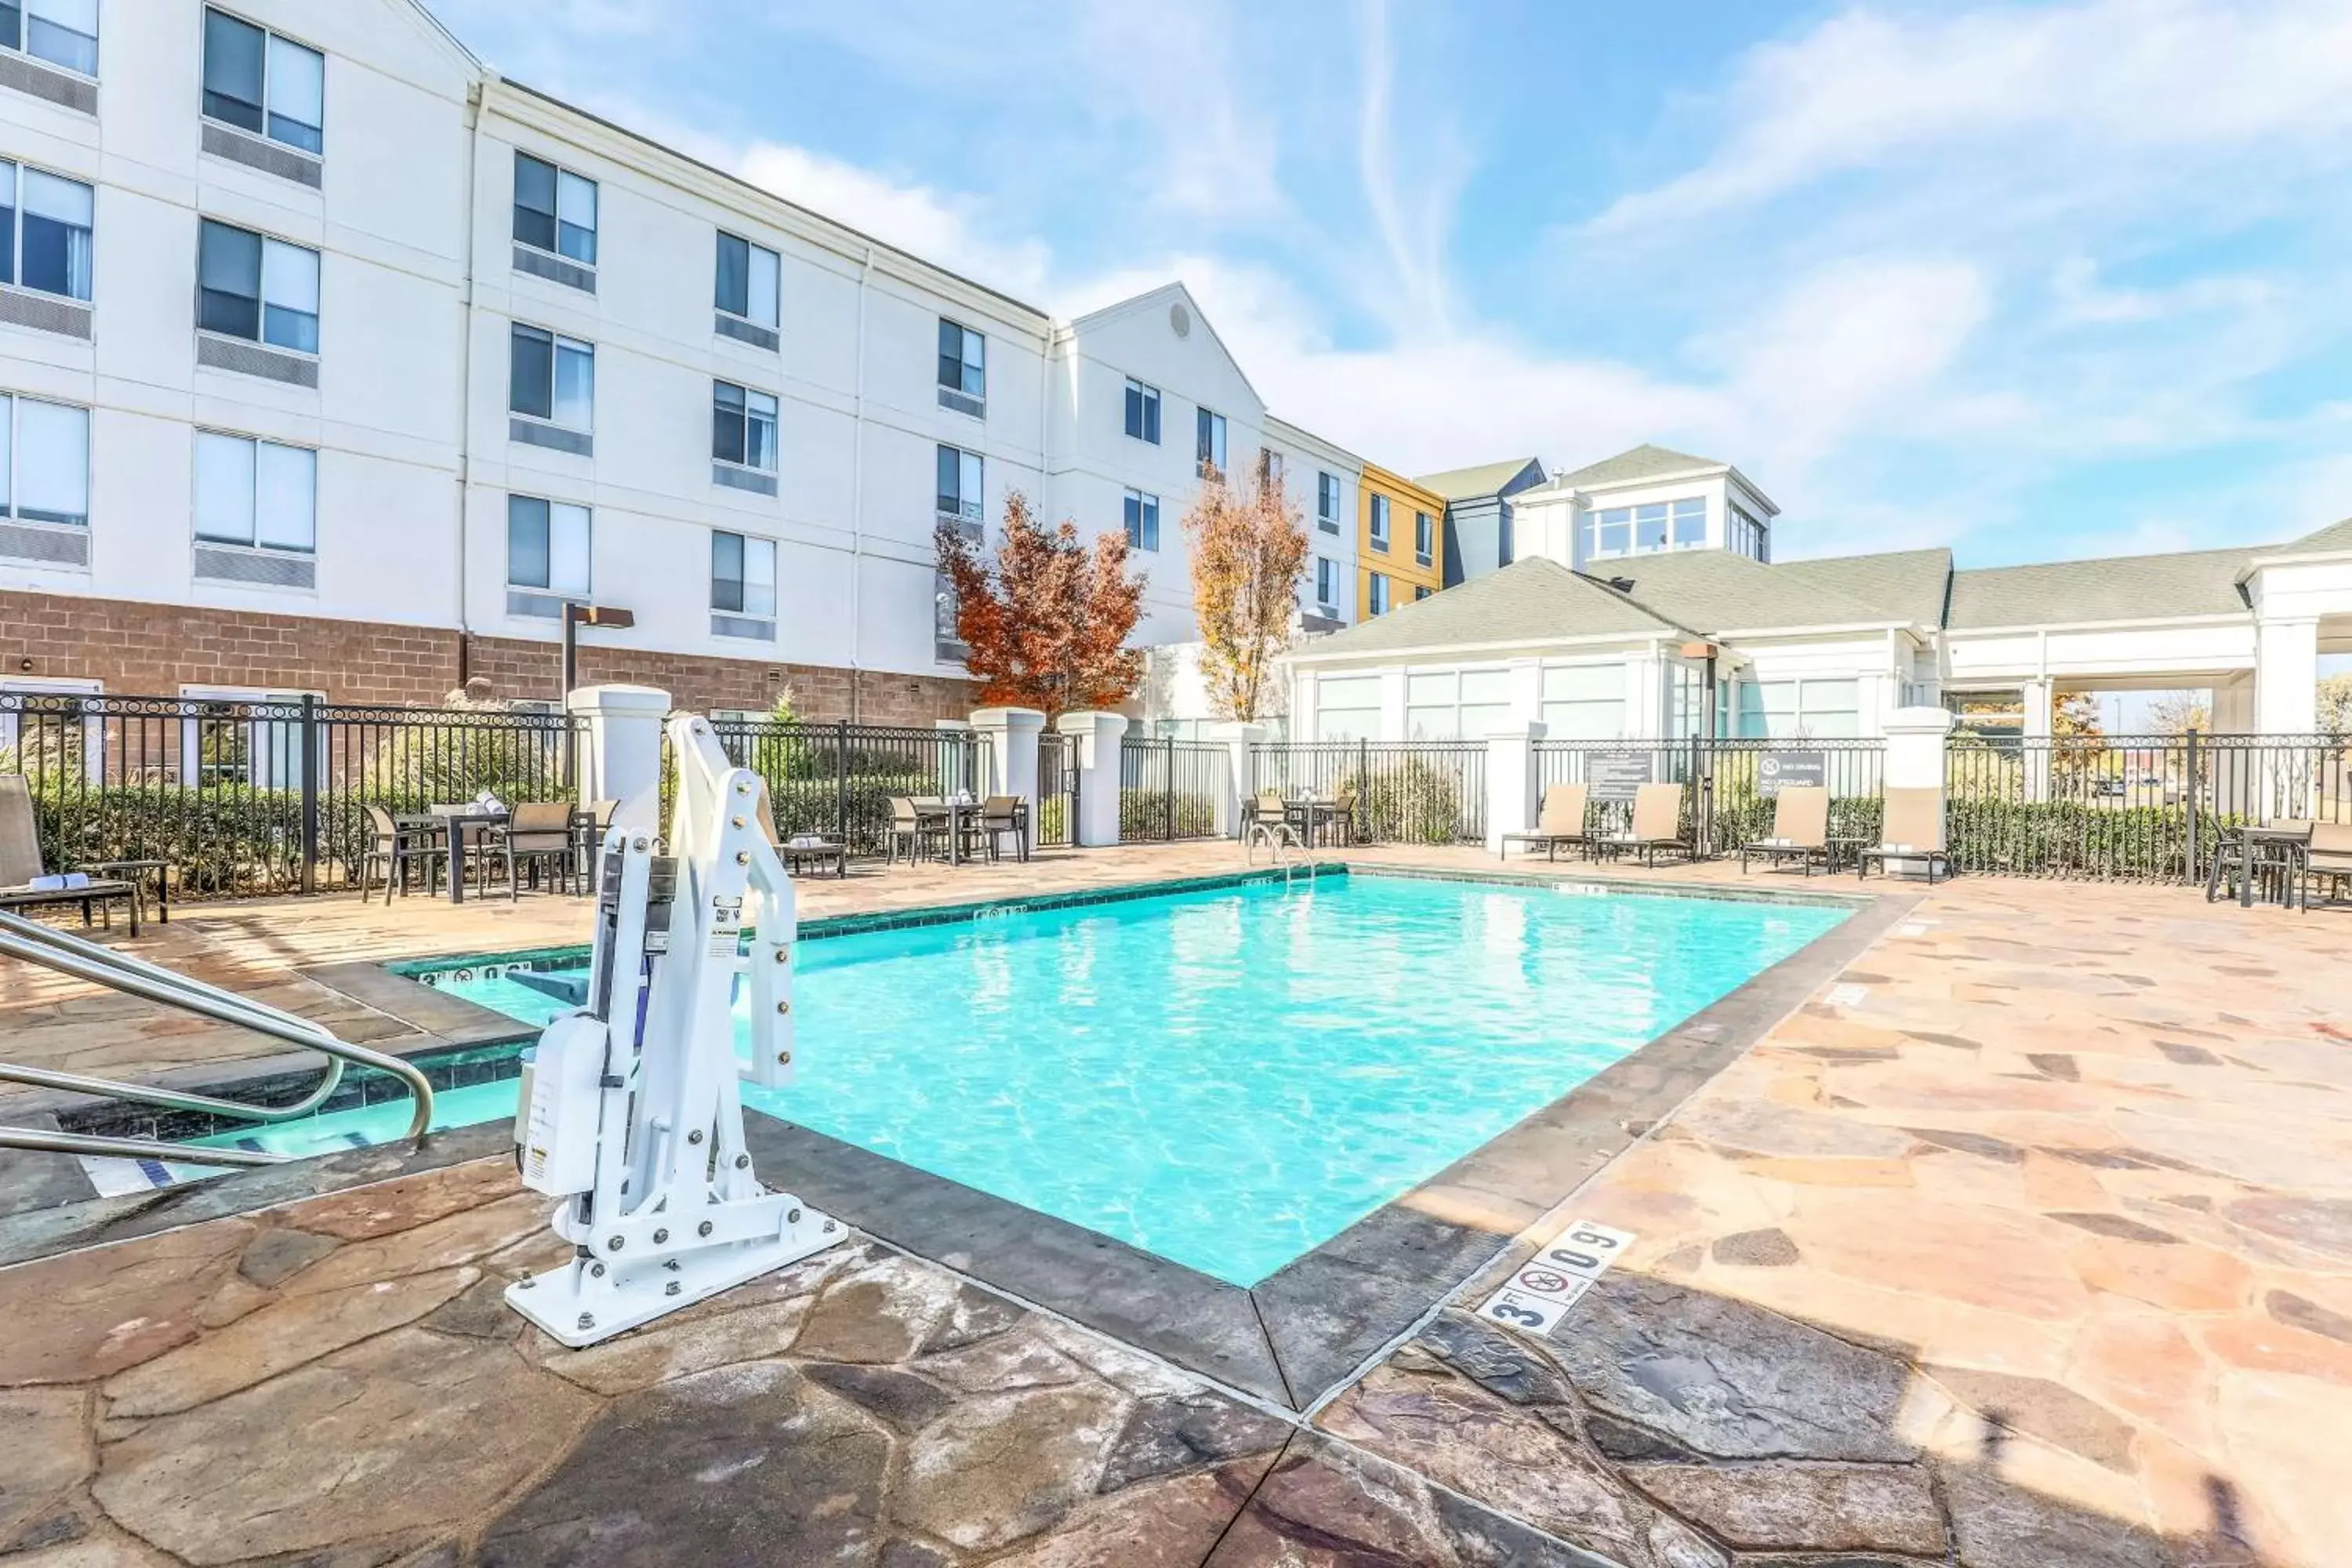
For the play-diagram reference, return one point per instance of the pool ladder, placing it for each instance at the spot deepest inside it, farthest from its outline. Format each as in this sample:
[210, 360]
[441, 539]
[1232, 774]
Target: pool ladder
[1280, 838]
[85, 959]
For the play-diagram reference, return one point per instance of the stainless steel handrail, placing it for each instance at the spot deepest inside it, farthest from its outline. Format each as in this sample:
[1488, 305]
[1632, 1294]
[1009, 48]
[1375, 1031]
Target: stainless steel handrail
[86, 960]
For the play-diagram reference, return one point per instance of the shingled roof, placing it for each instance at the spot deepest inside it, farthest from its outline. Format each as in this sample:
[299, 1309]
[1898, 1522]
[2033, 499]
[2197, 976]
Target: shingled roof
[1481, 479]
[2118, 588]
[1644, 462]
[1529, 601]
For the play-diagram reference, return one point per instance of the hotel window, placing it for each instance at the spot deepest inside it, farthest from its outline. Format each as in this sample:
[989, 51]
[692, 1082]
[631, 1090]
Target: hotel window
[1645, 529]
[551, 378]
[1420, 592]
[962, 498]
[256, 493]
[1327, 502]
[45, 232]
[271, 86]
[742, 587]
[1209, 440]
[1583, 702]
[1377, 599]
[554, 210]
[62, 32]
[1327, 582]
[1269, 468]
[547, 555]
[750, 286]
[1747, 536]
[44, 461]
[1448, 705]
[1143, 411]
[1782, 709]
[1142, 519]
[1424, 537]
[743, 426]
[1380, 511]
[1347, 708]
[963, 368]
[261, 289]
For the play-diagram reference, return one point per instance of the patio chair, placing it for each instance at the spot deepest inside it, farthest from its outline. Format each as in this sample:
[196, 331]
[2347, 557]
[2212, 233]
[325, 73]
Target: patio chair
[1658, 825]
[20, 865]
[1913, 829]
[396, 845]
[1270, 823]
[913, 828]
[1003, 814]
[1561, 821]
[1344, 801]
[588, 826]
[1801, 830]
[2328, 858]
[537, 834]
[2276, 859]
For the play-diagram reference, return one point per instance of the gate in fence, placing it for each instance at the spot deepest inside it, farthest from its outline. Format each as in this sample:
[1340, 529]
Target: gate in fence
[277, 796]
[838, 780]
[1057, 792]
[1169, 789]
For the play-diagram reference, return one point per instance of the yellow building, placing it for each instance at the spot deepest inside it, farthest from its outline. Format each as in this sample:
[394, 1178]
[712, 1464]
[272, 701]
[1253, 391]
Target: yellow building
[1400, 541]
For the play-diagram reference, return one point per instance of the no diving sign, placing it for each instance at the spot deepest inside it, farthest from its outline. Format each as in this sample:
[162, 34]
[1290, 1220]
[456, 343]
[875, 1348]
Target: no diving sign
[1547, 1284]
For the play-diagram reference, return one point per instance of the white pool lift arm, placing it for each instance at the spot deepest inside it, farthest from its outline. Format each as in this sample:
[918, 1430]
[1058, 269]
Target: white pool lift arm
[630, 1111]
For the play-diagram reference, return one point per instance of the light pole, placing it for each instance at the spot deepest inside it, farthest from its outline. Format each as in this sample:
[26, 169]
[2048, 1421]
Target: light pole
[574, 618]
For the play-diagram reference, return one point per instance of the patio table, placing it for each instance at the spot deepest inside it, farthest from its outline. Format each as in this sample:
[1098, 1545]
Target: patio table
[2291, 840]
[1311, 812]
[463, 821]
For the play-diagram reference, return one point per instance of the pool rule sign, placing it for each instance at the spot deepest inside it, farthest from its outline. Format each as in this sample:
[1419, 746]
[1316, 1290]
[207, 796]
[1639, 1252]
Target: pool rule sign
[1547, 1284]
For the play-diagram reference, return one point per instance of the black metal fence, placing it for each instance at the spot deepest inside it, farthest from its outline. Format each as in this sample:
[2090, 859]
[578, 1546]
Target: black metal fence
[1169, 789]
[250, 797]
[1730, 786]
[1414, 792]
[837, 780]
[2132, 806]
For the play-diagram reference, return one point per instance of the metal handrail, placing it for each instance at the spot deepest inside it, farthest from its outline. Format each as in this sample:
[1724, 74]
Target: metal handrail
[86, 960]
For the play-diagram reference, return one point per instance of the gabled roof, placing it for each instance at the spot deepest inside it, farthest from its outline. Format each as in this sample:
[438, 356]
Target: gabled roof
[2119, 588]
[1644, 462]
[1912, 583]
[1171, 293]
[1717, 592]
[1483, 480]
[1530, 601]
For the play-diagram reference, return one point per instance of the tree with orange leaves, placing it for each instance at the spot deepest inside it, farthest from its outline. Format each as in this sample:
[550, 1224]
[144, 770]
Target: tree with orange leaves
[1047, 626]
[1248, 548]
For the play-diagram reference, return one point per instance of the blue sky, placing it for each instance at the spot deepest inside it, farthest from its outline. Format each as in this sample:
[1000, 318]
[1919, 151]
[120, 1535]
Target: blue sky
[2030, 280]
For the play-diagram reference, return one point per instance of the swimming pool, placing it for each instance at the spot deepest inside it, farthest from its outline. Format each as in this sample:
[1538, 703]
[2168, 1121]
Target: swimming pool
[1228, 1077]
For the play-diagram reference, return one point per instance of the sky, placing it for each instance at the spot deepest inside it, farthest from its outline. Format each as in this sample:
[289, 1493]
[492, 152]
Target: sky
[2030, 280]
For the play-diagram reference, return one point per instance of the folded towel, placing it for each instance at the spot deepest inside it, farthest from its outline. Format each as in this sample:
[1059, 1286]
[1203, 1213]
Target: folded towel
[806, 841]
[63, 881]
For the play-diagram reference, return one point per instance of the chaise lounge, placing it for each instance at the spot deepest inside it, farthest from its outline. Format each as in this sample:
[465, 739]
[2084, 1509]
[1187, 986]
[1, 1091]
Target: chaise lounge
[1801, 830]
[1658, 825]
[1561, 821]
[1914, 830]
[21, 869]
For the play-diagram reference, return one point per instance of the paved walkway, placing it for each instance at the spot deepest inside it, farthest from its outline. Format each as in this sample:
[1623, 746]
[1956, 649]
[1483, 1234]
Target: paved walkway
[2027, 1243]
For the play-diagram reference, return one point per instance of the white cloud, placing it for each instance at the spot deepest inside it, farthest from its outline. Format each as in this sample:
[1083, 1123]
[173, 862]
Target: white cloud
[938, 227]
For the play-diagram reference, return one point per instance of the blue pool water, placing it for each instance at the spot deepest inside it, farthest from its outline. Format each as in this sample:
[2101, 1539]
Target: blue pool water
[1230, 1078]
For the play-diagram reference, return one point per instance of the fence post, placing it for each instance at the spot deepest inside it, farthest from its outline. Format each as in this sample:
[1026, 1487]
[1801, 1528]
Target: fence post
[1241, 776]
[1012, 734]
[309, 764]
[1916, 743]
[841, 782]
[1093, 753]
[1513, 787]
[2192, 787]
[624, 751]
[1171, 745]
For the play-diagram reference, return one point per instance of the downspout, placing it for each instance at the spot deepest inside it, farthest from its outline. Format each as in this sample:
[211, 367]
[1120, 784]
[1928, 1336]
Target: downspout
[857, 498]
[466, 382]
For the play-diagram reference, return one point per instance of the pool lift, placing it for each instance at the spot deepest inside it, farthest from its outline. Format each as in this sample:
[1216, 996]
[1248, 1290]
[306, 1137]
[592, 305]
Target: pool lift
[630, 1110]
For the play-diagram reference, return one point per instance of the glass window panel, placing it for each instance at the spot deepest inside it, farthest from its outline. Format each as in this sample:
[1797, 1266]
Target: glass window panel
[527, 540]
[228, 281]
[223, 488]
[286, 496]
[727, 573]
[950, 476]
[760, 577]
[534, 200]
[1690, 523]
[968, 485]
[8, 223]
[64, 32]
[52, 462]
[57, 251]
[759, 432]
[951, 355]
[7, 448]
[1480, 719]
[1325, 581]
[1616, 531]
[530, 371]
[1423, 690]
[297, 95]
[289, 296]
[1582, 682]
[734, 290]
[976, 364]
[575, 384]
[727, 423]
[1485, 687]
[1650, 526]
[1380, 595]
[1424, 535]
[575, 212]
[767, 287]
[233, 55]
[567, 555]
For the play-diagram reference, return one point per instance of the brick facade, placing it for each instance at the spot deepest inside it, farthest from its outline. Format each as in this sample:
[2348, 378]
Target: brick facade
[137, 649]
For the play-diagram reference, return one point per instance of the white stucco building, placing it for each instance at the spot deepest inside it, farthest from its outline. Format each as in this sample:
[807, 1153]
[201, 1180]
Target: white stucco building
[335, 362]
[1643, 577]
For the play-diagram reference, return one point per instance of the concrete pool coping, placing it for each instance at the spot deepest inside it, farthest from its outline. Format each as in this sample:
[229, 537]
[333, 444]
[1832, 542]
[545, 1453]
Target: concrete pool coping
[1293, 1338]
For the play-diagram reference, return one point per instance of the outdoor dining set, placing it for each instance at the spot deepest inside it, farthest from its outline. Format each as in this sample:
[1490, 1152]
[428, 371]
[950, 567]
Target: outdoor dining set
[552, 843]
[2281, 862]
[956, 828]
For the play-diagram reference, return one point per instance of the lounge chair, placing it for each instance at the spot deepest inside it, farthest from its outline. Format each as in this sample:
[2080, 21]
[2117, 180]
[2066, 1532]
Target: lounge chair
[1561, 821]
[1801, 830]
[803, 850]
[20, 864]
[2328, 859]
[1913, 830]
[1658, 825]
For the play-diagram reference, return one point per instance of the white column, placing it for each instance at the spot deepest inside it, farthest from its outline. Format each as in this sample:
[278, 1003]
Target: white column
[1916, 743]
[1514, 793]
[2286, 676]
[1011, 766]
[1241, 775]
[1098, 737]
[620, 757]
[2038, 699]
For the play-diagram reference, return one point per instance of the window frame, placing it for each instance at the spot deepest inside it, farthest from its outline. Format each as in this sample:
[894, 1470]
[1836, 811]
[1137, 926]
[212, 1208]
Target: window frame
[1376, 594]
[743, 580]
[1425, 537]
[557, 344]
[1139, 515]
[23, 45]
[12, 460]
[745, 416]
[1141, 405]
[1376, 521]
[1212, 434]
[262, 307]
[587, 548]
[253, 540]
[966, 366]
[752, 249]
[1327, 582]
[1327, 483]
[515, 207]
[15, 240]
[269, 36]
[969, 512]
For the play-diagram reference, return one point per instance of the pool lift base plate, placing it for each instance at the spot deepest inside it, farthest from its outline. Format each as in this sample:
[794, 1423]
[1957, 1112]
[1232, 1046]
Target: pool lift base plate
[591, 1301]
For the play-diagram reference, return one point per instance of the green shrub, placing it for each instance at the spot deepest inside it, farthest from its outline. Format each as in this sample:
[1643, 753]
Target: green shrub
[1412, 800]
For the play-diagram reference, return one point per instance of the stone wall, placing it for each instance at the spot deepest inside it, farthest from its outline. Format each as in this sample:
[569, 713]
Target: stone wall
[156, 650]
